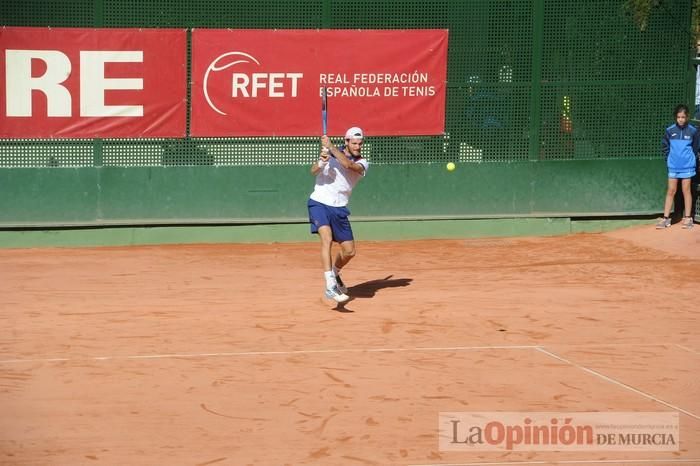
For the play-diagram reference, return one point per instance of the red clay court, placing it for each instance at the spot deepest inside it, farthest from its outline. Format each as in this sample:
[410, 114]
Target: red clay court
[227, 354]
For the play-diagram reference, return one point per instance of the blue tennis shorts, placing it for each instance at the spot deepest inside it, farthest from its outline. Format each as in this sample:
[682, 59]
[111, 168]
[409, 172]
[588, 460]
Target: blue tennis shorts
[681, 175]
[335, 217]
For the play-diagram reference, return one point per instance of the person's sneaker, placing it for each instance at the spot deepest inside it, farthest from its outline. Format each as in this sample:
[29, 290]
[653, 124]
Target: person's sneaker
[687, 222]
[336, 295]
[663, 222]
[341, 285]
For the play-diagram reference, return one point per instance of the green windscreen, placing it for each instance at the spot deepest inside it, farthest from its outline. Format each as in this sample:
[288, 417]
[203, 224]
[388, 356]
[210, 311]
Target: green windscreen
[528, 81]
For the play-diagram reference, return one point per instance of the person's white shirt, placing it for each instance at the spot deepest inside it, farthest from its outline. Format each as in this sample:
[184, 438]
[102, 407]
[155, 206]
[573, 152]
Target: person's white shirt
[334, 183]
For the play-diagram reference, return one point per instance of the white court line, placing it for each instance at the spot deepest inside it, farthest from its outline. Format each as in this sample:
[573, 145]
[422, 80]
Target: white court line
[617, 382]
[331, 351]
[687, 349]
[10, 361]
[515, 463]
[598, 345]
[269, 353]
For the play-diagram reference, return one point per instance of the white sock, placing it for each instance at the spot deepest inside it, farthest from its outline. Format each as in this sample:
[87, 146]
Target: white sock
[330, 279]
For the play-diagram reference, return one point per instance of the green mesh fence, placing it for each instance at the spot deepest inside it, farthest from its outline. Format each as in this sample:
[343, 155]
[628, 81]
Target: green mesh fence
[594, 73]
[608, 87]
[254, 14]
[55, 13]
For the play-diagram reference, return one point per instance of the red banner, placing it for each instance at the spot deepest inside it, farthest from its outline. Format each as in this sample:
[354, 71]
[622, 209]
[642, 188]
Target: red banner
[268, 82]
[85, 83]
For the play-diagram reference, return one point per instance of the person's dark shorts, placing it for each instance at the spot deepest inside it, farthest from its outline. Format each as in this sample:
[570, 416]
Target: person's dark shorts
[335, 217]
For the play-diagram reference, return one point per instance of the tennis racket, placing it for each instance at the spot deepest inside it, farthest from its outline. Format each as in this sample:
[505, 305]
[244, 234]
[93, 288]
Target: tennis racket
[324, 110]
[324, 116]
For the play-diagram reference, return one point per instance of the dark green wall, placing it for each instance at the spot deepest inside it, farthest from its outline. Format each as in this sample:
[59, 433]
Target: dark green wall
[115, 195]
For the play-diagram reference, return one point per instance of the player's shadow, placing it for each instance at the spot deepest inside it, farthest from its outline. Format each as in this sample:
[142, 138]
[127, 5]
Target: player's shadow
[369, 289]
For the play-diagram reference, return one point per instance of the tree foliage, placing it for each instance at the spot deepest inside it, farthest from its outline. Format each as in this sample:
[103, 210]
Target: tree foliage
[641, 10]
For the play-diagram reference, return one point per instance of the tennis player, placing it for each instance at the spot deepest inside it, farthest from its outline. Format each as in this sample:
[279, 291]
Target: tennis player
[337, 171]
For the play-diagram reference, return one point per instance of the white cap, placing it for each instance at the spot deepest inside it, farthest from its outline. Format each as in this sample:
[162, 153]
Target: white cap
[354, 133]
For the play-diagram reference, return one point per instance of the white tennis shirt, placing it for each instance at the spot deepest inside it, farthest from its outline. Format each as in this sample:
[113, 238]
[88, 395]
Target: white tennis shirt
[334, 183]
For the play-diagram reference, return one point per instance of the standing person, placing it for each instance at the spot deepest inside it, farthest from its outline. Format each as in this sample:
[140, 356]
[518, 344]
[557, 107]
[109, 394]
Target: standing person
[337, 172]
[680, 146]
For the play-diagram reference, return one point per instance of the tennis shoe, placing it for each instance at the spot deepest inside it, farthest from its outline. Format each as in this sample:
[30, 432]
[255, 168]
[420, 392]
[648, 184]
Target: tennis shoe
[663, 223]
[341, 286]
[336, 295]
[687, 223]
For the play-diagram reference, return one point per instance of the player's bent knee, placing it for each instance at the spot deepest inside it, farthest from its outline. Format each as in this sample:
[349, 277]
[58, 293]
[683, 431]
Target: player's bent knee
[348, 249]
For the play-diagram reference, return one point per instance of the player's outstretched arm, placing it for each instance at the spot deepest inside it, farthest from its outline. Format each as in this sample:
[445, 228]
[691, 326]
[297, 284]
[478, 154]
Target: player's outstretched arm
[340, 156]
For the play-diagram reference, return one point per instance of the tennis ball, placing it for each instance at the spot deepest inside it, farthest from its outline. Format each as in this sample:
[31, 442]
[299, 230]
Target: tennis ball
[451, 166]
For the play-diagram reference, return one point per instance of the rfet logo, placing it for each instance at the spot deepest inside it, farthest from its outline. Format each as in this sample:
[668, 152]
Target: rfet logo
[244, 82]
[256, 82]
